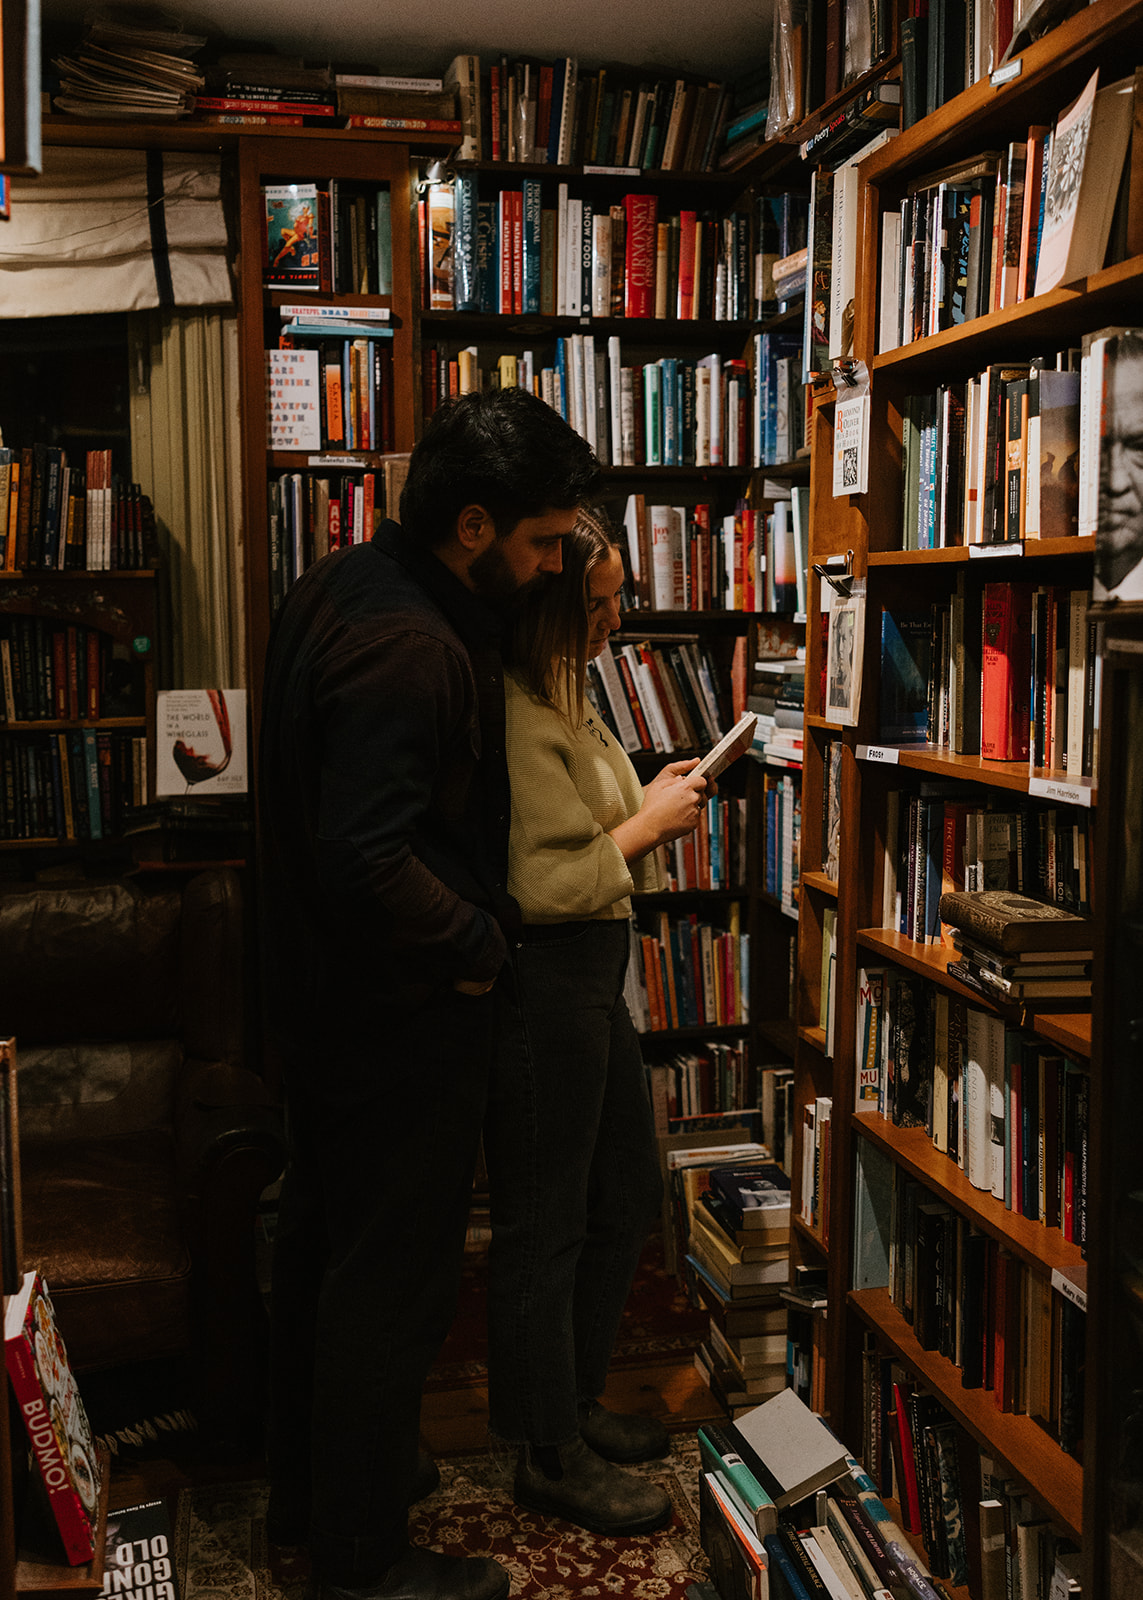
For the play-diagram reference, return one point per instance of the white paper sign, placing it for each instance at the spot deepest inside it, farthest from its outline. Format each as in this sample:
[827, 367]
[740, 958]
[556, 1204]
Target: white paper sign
[851, 445]
[294, 379]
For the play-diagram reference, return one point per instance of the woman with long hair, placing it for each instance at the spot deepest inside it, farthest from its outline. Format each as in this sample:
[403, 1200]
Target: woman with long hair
[572, 1160]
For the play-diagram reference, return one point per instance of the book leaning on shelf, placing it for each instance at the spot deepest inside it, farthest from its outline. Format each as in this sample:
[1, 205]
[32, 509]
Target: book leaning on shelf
[53, 1414]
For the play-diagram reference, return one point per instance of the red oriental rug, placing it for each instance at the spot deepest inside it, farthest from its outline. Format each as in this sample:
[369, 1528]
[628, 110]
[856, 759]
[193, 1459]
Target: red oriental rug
[222, 1554]
[659, 1323]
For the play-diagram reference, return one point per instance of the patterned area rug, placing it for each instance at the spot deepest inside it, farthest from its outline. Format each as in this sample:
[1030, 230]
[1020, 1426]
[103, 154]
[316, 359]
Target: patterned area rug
[221, 1538]
[659, 1323]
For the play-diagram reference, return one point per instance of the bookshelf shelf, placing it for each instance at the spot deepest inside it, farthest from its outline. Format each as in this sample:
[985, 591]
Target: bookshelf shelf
[724, 1030]
[1071, 1030]
[815, 1038]
[636, 330]
[822, 724]
[819, 882]
[1054, 1478]
[78, 575]
[1030, 550]
[809, 1235]
[209, 136]
[1015, 775]
[913, 1150]
[780, 1032]
[53, 726]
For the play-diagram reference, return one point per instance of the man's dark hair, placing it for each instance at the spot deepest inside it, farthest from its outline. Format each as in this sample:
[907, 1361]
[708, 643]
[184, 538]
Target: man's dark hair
[502, 449]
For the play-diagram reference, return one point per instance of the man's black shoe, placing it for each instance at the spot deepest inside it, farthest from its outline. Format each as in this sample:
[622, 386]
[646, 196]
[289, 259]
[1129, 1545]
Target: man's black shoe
[623, 1437]
[424, 1575]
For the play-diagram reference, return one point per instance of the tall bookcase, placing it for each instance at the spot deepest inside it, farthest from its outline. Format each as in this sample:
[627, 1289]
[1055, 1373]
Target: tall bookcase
[864, 534]
[442, 334]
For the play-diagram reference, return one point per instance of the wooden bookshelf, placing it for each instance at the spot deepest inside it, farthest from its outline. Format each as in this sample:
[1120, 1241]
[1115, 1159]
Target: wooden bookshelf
[865, 533]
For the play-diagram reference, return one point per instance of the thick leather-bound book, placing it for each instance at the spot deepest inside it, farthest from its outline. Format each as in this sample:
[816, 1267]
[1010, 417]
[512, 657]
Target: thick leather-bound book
[1006, 921]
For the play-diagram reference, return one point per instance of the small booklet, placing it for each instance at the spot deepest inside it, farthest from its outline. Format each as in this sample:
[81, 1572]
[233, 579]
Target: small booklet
[729, 747]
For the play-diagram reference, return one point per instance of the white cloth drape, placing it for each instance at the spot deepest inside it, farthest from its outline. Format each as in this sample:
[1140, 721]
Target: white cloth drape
[115, 230]
[185, 452]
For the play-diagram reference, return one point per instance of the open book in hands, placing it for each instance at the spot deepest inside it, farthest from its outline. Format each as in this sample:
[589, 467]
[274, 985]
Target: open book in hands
[728, 749]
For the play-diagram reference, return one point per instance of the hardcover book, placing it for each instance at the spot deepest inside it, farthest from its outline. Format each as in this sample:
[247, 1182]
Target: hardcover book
[48, 1399]
[790, 1450]
[292, 253]
[200, 742]
[1010, 922]
[906, 650]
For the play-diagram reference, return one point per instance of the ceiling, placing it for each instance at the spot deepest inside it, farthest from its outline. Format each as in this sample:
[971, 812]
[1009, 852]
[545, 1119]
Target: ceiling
[719, 40]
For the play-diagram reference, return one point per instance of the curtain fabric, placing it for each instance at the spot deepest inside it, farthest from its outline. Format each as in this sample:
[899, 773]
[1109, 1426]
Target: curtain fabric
[115, 230]
[185, 452]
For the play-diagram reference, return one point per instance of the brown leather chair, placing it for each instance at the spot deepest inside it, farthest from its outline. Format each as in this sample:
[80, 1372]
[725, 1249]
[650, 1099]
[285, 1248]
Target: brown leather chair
[145, 1141]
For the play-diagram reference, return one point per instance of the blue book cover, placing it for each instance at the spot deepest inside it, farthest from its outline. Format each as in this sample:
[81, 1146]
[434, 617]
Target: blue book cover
[466, 288]
[562, 377]
[668, 382]
[906, 650]
[91, 773]
[783, 1562]
[487, 256]
[533, 222]
[774, 347]
[933, 836]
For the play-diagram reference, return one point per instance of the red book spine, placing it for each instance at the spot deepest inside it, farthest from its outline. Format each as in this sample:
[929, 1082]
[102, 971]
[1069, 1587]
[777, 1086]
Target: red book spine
[640, 211]
[73, 674]
[93, 674]
[507, 244]
[686, 296]
[405, 124]
[633, 699]
[283, 108]
[544, 108]
[517, 252]
[494, 100]
[910, 1497]
[647, 655]
[1004, 691]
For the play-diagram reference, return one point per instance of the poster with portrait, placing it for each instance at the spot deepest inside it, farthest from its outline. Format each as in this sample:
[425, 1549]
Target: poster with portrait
[844, 659]
[1118, 574]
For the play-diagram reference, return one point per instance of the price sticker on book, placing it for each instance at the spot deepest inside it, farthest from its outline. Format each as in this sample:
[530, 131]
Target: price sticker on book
[1072, 794]
[886, 754]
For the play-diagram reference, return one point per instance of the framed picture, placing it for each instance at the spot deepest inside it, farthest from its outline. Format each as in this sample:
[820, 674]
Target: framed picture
[844, 659]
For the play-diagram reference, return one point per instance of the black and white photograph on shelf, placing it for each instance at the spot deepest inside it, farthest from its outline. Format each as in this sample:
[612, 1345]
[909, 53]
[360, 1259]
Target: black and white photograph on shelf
[1119, 529]
[844, 659]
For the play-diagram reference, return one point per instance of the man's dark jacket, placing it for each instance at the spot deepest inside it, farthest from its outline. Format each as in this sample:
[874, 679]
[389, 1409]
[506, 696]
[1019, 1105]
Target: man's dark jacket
[383, 793]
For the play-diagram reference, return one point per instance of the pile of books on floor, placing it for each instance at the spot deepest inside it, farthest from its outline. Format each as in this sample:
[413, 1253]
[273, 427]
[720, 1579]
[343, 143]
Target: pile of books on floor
[733, 1210]
[1016, 950]
[784, 1509]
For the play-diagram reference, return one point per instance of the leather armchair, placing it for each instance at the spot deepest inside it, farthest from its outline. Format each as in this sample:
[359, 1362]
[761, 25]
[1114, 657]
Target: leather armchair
[145, 1141]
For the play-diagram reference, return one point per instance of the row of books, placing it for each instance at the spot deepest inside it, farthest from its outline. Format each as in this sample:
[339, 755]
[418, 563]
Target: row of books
[663, 695]
[515, 255]
[827, 1533]
[991, 232]
[806, 1303]
[711, 1079]
[1009, 671]
[330, 237]
[817, 1139]
[713, 856]
[74, 785]
[689, 974]
[943, 839]
[981, 1529]
[327, 508]
[781, 823]
[336, 394]
[1006, 1327]
[756, 559]
[1008, 1109]
[550, 112]
[58, 517]
[64, 673]
[832, 250]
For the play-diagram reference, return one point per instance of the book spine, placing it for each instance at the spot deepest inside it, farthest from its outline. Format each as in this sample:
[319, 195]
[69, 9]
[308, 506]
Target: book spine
[75, 1530]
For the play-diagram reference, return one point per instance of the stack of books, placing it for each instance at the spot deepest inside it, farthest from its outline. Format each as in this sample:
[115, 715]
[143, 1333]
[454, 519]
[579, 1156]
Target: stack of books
[246, 87]
[129, 71]
[736, 1264]
[1015, 949]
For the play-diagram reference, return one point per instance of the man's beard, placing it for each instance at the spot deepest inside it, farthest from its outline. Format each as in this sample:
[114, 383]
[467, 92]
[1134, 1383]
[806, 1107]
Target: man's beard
[494, 581]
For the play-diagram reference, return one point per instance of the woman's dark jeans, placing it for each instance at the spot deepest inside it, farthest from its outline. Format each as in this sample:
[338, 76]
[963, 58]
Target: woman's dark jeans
[574, 1176]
